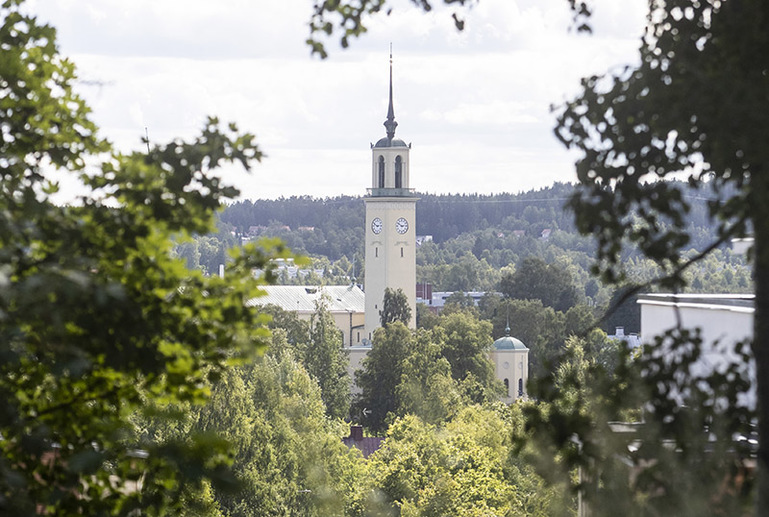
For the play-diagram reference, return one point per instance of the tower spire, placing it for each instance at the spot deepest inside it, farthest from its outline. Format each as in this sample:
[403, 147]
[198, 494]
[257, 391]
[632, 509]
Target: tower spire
[390, 123]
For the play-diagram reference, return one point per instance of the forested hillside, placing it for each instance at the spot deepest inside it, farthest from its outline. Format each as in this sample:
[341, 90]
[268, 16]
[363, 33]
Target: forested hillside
[476, 240]
[333, 227]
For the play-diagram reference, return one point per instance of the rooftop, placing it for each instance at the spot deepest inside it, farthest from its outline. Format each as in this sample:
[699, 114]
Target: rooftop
[302, 298]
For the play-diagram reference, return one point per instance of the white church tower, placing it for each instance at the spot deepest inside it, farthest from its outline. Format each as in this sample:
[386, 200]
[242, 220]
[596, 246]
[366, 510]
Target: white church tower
[390, 223]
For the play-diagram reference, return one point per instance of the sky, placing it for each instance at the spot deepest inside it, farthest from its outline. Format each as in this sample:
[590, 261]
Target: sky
[475, 105]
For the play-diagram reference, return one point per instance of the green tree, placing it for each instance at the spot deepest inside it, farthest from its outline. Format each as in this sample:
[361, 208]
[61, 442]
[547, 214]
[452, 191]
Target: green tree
[99, 321]
[326, 361]
[427, 388]
[426, 318]
[458, 300]
[465, 342]
[289, 458]
[463, 467]
[624, 467]
[188, 251]
[297, 330]
[534, 279]
[395, 307]
[381, 373]
[426, 471]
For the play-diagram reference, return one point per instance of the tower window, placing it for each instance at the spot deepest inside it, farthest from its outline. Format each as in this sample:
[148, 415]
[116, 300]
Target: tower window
[520, 387]
[401, 252]
[398, 172]
[507, 387]
[381, 172]
[376, 252]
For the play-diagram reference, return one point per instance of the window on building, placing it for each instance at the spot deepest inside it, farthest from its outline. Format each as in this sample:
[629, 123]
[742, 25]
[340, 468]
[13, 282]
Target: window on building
[401, 252]
[358, 336]
[398, 172]
[376, 252]
[381, 172]
[520, 387]
[507, 387]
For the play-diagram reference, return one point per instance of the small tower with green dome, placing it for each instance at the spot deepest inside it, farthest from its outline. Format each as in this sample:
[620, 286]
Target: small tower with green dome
[511, 366]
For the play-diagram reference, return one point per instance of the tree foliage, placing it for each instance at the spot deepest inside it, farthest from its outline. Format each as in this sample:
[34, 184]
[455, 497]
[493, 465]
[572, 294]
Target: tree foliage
[349, 18]
[534, 279]
[589, 418]
[326, 361]
[289, 458]
[98, 320]
[395, 307]
[381, 373]
[463, 467]
[693, 108]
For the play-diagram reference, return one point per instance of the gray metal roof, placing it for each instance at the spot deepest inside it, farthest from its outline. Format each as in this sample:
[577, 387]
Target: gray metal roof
[302, 298]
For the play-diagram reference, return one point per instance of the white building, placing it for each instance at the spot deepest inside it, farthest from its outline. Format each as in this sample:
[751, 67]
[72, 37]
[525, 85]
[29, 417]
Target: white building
[723, 320]
[344, 302]
[437, 300]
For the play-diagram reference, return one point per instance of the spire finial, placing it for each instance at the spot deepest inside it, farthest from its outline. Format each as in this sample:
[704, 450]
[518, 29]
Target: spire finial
[390, 123]
[507, 328]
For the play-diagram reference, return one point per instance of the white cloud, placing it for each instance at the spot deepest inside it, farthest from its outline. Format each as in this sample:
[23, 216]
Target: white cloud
[475, 104]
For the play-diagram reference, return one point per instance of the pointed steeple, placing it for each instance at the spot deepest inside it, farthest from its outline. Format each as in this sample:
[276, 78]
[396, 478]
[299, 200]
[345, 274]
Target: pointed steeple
[390, 123]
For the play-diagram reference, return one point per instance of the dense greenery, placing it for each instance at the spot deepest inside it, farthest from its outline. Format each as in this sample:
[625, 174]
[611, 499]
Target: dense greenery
[692, 108]
[333, 227]
[395, 307]
[100, 323]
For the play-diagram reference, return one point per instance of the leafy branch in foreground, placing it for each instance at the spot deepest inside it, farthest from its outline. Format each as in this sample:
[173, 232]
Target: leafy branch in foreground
[349, 18]
[97, 320]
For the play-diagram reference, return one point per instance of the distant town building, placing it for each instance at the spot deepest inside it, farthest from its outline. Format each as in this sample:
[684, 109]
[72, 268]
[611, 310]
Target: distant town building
[424, 292]
[435, 300]
[633, 340]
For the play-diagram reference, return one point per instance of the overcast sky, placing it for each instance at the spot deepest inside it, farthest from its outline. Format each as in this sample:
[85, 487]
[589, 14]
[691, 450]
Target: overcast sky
[474, 105]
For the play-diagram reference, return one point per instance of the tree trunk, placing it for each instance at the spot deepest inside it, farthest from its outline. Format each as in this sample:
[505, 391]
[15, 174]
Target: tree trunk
[759, 200]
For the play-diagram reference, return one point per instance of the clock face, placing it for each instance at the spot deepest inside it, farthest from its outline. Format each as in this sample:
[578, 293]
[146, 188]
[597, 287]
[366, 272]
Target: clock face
[376, 225]
[401, 225]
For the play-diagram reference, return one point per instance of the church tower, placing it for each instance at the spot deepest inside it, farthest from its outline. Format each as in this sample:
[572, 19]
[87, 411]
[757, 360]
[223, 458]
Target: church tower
[390, 223]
